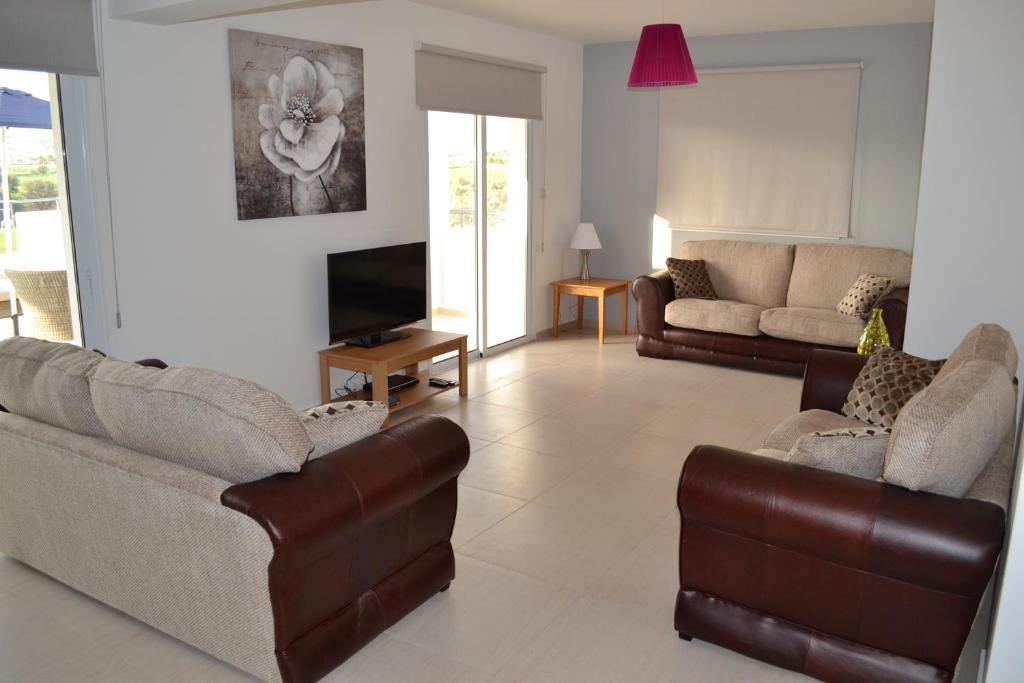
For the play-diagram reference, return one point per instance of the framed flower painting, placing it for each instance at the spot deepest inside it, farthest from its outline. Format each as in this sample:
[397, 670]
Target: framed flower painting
[300, 145]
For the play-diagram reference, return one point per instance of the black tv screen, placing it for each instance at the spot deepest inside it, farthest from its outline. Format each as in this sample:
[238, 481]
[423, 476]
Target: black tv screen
[376, 289]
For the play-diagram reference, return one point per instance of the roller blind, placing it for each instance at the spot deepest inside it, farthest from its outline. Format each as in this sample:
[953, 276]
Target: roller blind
[48, 35]
[456, 81]
[765, 151]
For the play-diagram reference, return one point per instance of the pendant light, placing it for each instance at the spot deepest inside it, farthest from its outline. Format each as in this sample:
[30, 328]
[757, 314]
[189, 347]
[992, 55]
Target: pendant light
[662, 58]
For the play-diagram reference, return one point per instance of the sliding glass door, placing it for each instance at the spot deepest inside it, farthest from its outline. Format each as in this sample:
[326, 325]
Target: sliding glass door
[479, 227]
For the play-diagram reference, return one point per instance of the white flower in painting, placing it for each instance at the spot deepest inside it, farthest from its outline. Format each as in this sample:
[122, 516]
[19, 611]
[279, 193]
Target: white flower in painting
[303, 133]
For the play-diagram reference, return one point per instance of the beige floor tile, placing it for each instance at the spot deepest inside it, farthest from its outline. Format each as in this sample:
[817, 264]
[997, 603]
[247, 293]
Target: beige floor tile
[528, 396]
[656, 456]
[648, 574]
[478, 511]
[691, 427]
[560, 546]
[487, 616]
[561, 435]
[490, 422]
[388, 659]
[517, 472]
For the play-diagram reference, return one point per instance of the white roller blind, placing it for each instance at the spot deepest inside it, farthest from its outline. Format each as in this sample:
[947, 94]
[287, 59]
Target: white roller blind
[48, 35]
[451, 80]
[767, 150]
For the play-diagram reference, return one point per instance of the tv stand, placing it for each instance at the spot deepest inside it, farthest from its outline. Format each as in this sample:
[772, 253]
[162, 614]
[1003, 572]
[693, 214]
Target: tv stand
[369, 341]
[381, 361]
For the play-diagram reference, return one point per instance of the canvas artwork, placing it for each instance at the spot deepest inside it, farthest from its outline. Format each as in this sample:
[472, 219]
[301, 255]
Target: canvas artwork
[299, 126]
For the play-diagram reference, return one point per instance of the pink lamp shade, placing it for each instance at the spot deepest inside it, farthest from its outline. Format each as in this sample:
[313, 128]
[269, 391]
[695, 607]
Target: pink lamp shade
[662, 58]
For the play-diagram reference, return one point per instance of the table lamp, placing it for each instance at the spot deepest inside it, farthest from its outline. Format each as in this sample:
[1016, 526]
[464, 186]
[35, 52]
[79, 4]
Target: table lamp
[585, 238]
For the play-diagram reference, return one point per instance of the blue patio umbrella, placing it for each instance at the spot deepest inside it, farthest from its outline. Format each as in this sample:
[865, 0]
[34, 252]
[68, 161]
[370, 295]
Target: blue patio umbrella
[18, 109]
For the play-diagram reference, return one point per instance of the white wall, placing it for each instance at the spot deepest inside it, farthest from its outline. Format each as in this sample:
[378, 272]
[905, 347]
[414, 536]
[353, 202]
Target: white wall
[620, 134]
[970, 225]
[250, 298]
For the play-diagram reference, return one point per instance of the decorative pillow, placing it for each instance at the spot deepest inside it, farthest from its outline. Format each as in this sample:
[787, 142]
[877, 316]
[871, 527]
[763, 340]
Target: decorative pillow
[859, 452]
[864, 294]
[49, 382]
[690, 279]
[226, 427]
[948, 433]
[335, 425]
[885, 384]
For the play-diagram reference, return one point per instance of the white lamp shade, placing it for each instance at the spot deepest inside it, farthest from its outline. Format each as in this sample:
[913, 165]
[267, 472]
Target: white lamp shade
[585, 237]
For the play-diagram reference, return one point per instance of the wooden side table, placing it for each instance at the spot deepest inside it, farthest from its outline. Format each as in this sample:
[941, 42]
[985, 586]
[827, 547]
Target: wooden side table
[382, 360]
[601, 289]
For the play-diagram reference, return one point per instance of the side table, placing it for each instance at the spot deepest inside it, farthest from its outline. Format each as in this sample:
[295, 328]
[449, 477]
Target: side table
[601, 289]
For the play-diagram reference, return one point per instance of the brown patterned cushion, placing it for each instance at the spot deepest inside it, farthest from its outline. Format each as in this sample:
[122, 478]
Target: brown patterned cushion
[885, 384]
[690, 279]
[336, 425]
[864, 294]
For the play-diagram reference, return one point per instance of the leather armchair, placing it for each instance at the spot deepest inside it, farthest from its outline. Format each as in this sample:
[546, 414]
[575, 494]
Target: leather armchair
[360, 537]
[840, 578]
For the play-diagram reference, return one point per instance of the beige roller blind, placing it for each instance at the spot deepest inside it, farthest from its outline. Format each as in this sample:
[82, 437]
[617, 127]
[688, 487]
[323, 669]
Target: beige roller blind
[452, 80]
[765, 151]
[48, 35]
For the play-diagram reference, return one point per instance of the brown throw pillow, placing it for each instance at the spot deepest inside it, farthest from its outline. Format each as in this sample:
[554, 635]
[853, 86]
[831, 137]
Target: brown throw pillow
[690, 279]
[864, 294]
[885, 384]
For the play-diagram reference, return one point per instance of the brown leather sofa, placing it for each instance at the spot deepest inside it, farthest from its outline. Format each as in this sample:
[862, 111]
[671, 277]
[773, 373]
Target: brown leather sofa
[837, 577]
[800, 282]
[361, 538]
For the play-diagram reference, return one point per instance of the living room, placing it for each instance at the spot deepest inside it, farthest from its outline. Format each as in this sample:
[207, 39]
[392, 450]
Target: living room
[181, 238]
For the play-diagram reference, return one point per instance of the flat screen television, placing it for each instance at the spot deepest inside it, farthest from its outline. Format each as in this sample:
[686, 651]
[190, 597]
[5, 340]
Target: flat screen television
[372, 291]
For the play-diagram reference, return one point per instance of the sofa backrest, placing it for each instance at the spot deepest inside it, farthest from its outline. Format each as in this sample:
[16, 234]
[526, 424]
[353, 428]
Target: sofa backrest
[750, 272]
[49, 382]
[985, 342]
[823, 273]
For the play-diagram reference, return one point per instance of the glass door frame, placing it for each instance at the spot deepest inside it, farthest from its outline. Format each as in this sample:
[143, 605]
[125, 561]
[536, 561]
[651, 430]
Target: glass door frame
[483, 348]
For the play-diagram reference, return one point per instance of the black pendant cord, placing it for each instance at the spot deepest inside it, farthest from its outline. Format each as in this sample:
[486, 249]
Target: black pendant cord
[291, 193]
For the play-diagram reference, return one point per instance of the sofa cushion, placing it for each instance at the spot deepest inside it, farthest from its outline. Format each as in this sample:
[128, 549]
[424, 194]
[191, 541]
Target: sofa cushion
[785, 435]
[948, 433]
[750, 272]
[864, 294]
[858, 451]
[336, 425]
[886, 383]
[227, 427]
[812, 325]
[824, 273]
[690, 279]
[49, 382]
[984, 342]
[731, 317]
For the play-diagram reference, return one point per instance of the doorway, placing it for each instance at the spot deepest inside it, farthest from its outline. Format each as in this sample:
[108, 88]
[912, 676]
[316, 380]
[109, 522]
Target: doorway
[479, 227]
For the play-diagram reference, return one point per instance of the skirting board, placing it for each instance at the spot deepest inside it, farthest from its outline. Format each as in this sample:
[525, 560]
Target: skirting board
[610, 330]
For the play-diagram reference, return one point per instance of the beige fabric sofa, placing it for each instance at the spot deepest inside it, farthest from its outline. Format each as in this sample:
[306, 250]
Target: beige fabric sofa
[776, 303]
[284, 574]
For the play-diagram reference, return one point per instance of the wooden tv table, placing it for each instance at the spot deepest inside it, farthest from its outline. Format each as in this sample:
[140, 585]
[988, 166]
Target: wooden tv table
[380, 361]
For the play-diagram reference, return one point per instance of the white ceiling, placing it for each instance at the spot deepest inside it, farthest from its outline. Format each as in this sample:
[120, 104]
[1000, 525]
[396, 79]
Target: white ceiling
[601, 21]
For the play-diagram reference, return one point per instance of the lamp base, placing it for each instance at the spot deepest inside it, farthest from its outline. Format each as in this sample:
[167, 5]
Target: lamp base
[585, 273]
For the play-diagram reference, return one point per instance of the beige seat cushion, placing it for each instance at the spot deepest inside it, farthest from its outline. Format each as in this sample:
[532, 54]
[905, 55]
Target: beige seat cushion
[824, 273]
[985, 342]
[785, 435]
[227, 427]
[947, 434]
[812, 325]
[714, 315]
[49, 382]
[751, 272]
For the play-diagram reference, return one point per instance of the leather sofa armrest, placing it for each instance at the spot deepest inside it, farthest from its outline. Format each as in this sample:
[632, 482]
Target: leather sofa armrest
[928, 540]
[310, 512]
[828, 378]
[652, 292]
[894, 313]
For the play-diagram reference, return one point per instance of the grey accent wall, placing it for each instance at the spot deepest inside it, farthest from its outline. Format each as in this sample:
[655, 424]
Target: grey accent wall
[620, 135]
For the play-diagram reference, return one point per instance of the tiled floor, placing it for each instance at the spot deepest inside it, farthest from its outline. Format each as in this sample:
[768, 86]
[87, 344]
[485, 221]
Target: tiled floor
[566, 538]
